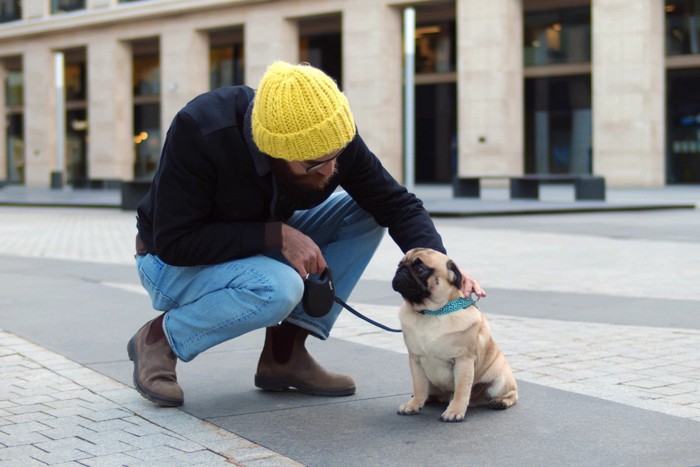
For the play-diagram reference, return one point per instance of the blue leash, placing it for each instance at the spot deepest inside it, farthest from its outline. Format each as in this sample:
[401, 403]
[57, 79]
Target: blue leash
[455, 305]
[361, 316]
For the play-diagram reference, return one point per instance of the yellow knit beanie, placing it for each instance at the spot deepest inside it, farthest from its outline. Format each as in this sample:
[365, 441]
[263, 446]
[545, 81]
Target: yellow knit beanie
[300, 114]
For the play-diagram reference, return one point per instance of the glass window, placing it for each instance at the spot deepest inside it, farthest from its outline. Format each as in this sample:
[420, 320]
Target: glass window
[14, 126]
[147, 137]
[555, 37]
[436, 50]
[76, 147]
[558, 125]
[14, 89]
[147, 75]
[682, 27]
[10, 10]
[683, 126]
[225, 65]
[15, 148]
[76, 118]
[323, 51]
[320, 44]
[75, 82]
[64, 6]
[436, 142]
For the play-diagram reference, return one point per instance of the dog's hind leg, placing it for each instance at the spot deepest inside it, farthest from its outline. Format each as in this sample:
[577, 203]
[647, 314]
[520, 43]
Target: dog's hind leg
[506, 392]
[478, 397]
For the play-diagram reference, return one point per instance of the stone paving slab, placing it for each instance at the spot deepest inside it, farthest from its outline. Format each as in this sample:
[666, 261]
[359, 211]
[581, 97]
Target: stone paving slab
[54, 411]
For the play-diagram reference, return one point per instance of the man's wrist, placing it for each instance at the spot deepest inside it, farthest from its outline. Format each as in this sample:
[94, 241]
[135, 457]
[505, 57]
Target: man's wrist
[273, 235]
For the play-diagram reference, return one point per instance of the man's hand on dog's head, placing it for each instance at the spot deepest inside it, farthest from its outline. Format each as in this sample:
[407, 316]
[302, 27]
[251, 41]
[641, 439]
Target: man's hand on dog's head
[471, 285]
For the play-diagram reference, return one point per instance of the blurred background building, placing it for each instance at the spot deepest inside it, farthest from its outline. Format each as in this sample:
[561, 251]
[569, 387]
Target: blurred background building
[610, 87]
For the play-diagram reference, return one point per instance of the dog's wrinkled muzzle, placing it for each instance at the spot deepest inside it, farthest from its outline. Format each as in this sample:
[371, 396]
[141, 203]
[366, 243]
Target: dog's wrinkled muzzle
[409, 286]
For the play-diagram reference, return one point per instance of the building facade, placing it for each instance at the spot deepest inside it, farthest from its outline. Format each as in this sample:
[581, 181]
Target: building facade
[609, 87]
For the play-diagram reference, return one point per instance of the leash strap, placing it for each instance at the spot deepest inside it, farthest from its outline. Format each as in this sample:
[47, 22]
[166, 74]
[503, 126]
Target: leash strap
[363, 317]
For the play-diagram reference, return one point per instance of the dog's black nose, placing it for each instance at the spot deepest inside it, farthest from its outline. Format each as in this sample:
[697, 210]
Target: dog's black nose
[402, 278]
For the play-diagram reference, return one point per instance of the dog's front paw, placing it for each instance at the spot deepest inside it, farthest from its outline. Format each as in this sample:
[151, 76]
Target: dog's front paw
[411, 407]
[453, 414]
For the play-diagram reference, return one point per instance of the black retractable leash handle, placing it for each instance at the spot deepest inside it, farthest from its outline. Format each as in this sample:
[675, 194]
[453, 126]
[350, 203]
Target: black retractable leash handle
[319, 296]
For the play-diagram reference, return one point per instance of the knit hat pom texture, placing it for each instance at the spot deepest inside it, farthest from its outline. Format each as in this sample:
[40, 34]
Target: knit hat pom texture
[300, 114]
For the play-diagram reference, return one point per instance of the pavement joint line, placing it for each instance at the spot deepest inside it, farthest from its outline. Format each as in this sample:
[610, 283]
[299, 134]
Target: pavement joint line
[79, 435]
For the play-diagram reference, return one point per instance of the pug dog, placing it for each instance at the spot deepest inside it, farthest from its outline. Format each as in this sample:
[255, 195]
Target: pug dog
[452, 355]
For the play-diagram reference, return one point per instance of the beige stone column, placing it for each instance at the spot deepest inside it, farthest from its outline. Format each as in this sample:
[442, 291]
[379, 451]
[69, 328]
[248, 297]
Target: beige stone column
[3, 134]
[99, 4]
[184, 70]
[628, 92]
[35, 9]
[110, 109]
[268, 37]
[39, 115]
[490, 87]
[372, 77]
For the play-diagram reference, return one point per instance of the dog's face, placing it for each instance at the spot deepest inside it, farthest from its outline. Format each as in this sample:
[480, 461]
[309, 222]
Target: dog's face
[426, 275]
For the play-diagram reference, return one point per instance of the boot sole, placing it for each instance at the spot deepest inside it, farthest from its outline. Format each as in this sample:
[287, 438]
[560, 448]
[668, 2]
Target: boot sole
[165, 402]
[268, 383]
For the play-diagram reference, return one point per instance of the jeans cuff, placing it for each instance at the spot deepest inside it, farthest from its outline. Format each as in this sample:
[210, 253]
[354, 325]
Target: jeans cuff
[310, 325]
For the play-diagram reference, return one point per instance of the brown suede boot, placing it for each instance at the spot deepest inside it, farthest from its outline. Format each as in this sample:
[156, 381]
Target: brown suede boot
[154, 365]
[286, 363]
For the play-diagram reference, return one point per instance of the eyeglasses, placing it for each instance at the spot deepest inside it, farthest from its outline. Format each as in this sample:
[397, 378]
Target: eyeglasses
[310, 167]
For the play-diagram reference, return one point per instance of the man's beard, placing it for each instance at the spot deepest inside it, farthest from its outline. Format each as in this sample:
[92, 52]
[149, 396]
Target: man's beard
[315, 181]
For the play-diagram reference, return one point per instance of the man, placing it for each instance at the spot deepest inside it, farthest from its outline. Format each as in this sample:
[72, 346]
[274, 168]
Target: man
[243, 208]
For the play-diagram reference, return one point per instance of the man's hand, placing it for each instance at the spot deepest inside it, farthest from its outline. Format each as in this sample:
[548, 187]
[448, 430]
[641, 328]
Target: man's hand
[301, 252]
[471, 285]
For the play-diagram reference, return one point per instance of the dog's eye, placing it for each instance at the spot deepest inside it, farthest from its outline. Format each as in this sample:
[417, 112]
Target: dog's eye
[420, 269]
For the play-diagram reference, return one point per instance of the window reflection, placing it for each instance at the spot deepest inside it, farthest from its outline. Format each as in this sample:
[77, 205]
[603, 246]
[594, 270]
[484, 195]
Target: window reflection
[226, 58]
[64, 6]
[682, 27]
[436, 47]
[14, 124]
[555, 37]
[76, 118]
[558, 125]
[146, 81]
[320, 44]
[10, 10]
[147, 75]
[684, 126]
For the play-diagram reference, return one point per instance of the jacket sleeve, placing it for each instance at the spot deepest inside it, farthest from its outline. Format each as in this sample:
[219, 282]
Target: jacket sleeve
[391, 205]
[185, 185]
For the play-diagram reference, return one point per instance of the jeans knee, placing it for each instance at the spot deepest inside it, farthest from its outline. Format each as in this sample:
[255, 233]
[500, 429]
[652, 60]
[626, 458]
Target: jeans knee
[287, 294]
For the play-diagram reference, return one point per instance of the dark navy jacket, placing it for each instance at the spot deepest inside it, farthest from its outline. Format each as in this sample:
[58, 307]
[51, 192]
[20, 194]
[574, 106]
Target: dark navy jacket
[213, 192]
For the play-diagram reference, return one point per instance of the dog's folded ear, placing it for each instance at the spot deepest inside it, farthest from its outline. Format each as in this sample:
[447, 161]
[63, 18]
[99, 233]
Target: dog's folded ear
[454, 274]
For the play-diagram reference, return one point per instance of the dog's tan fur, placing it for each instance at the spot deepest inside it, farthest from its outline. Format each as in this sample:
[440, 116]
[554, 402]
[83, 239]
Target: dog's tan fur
[452, 357]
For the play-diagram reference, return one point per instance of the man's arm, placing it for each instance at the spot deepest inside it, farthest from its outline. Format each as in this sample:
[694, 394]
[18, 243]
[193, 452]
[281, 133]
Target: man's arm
[184, 189]
[392, 206]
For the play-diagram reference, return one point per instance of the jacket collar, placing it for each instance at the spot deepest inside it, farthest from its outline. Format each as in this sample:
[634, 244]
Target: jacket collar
[260, 160]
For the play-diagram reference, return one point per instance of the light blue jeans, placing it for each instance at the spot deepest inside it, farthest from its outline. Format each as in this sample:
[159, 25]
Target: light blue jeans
[208, 305]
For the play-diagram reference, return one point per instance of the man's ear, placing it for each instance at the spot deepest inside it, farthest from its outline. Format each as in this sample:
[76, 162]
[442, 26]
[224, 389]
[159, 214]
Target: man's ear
[456, 276]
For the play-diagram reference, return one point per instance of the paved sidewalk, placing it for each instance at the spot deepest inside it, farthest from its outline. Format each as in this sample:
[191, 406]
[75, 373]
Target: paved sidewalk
[57, 412]
[650, 368]
[597, 314]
